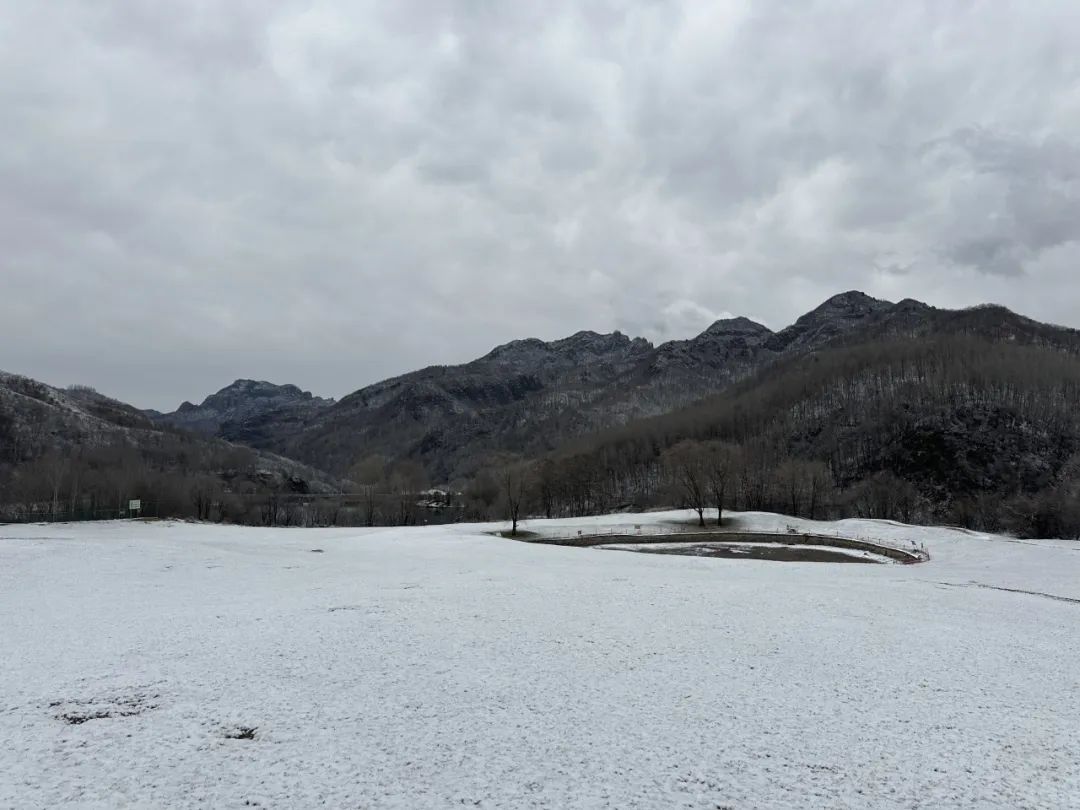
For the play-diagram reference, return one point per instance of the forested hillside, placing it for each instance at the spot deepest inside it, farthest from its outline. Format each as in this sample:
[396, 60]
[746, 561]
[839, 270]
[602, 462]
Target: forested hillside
[861, 407]
[981, 431]
[76, 454]
[526, 397]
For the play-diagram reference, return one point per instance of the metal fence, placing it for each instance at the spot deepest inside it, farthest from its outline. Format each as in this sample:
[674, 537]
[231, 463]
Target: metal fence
[46, 513]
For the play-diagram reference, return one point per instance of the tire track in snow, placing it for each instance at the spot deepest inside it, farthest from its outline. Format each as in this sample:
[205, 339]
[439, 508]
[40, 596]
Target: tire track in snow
[1009, 590]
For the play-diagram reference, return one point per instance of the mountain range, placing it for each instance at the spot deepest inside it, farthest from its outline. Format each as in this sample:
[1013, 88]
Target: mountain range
[46, 431]
[970, 411]
[530, 396]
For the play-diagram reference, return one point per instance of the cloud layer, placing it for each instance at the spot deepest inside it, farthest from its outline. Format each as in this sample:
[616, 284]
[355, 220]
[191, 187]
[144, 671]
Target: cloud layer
[328, 193]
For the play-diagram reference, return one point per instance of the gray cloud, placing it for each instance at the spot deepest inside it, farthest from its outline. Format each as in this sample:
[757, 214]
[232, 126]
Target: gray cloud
[331, 192]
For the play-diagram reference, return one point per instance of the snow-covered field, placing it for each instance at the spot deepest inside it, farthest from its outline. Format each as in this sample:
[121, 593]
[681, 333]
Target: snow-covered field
[439, 667]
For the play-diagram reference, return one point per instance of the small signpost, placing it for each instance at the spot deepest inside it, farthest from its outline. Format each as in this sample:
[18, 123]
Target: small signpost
[135, 507]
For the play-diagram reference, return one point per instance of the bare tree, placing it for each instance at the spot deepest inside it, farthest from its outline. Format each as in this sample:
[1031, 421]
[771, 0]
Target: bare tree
[546, 476]
[515, 485]
[204, 494]
[367, 475]
[406, 479]
[819, 481]
[790, 482]
[685, 463]
[720, 462]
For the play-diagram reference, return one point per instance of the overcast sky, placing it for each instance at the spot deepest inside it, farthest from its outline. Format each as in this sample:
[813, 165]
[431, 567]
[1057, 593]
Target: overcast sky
[329, 193]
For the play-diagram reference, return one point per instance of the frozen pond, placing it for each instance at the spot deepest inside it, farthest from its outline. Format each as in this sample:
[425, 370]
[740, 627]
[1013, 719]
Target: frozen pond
[780, 552]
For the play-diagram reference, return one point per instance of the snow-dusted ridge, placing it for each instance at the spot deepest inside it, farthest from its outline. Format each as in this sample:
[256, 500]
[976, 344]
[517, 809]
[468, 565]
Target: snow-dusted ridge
[186, 665]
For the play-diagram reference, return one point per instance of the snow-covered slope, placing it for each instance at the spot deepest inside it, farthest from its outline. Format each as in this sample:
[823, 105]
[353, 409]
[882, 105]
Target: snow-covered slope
[440, 667]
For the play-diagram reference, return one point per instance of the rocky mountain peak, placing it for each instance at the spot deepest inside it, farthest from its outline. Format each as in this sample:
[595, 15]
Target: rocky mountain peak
[591, 342]
[240, 402]
[735, 327]
[725, 350]
[852, 299]
[250, 389]
[834, 317]
[911, 305]
[260, 394]
[580, 345]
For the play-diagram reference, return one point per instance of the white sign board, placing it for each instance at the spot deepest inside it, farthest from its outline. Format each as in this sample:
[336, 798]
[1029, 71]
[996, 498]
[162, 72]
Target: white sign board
[134, 506]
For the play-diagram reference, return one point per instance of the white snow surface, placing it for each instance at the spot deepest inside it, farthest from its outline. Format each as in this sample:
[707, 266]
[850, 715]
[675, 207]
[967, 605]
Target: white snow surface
[441, 667]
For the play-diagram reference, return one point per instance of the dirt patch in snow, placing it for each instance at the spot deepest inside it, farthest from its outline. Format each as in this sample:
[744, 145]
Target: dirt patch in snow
[77, 712]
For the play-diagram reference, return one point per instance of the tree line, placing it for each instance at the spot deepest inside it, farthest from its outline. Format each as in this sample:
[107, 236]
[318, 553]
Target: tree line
[953, 429]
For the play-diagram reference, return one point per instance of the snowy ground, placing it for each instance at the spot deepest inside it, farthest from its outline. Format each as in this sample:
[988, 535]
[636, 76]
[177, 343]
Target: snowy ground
[438, 667]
